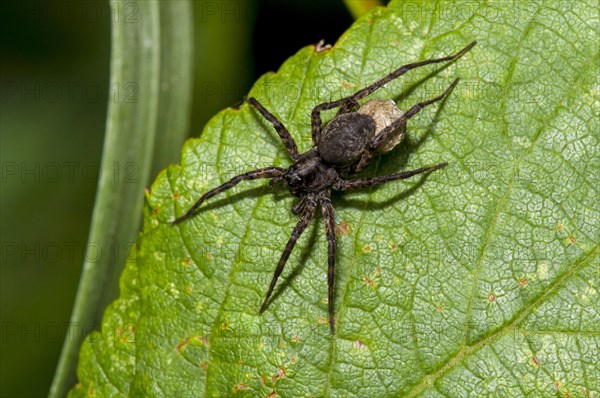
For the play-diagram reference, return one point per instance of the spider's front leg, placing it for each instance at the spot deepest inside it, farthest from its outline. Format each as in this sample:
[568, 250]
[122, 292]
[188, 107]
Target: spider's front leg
[284, 134]
[267, 172]
[348, 103]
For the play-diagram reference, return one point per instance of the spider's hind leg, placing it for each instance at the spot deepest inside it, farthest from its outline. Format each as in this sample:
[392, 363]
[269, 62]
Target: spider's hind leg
[350, 105]
[344, 185]
[377, 142]
[347, 103]
[329, 218]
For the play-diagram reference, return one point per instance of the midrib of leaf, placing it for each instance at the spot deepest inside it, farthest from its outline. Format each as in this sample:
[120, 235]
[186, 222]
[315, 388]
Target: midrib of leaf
[430, 379]
[486, 242]
[505, 198]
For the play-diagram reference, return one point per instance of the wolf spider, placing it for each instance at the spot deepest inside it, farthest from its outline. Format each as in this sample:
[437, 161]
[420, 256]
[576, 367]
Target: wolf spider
[343, 148]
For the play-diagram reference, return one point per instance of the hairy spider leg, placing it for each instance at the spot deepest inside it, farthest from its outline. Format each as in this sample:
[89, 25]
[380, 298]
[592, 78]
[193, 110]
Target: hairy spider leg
[347, 103]
[284, 134]
[267, 172]
[343, 185]
[307, 214]
[329, 218]
[299, 206]
[386, 132]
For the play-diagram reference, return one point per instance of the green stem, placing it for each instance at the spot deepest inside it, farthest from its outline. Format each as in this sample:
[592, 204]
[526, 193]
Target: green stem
[147, 122]
[360, 7]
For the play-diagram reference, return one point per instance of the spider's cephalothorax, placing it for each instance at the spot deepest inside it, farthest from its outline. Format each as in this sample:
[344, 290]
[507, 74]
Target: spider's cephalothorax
[344, 147]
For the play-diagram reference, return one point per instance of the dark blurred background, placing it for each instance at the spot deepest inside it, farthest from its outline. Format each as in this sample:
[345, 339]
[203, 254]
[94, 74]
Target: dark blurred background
[54, 89]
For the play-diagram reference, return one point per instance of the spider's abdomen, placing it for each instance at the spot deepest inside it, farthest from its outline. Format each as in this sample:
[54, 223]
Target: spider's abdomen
[384, 113]
[345, 138]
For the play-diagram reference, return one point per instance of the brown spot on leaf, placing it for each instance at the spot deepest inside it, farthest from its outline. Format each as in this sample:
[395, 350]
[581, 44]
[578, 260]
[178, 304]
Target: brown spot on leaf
[272, 394]
[535, 362]
[240, 387]
[559, 227]
[358, 344]
[342, 229]
[187, 261]
[440, 308]
[176, 195]
[203, 365]
[491, 297]
[182, 344]
[201, 339]
[367, 248]
[394, 247]
[523, 282]
[295, 339]
[572, 239]
[155, 211]
[557, 384]
[370, 282]
[280, 375]
[210, 256]
[346, 84]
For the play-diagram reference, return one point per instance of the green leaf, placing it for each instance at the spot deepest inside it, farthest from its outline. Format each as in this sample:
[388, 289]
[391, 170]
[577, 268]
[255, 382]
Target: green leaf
[478, 280]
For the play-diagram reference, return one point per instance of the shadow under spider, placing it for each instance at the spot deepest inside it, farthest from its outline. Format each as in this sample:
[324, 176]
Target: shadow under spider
[410, 89]
[345, 202]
